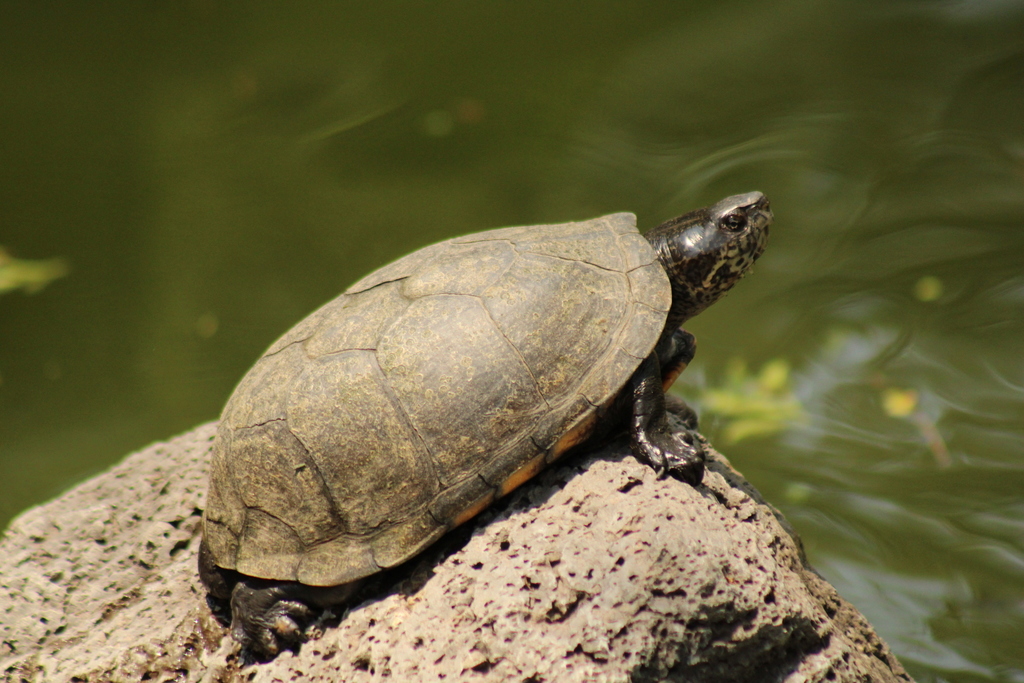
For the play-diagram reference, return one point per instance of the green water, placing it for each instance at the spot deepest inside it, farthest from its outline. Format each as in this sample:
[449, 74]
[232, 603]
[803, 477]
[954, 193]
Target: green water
[212, 172]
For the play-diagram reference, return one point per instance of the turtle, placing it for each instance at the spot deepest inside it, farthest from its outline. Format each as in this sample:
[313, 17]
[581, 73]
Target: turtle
[441, 382]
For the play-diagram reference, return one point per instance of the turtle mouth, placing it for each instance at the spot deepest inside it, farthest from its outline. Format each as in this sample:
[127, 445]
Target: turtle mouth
[759, 220]
[760, 217]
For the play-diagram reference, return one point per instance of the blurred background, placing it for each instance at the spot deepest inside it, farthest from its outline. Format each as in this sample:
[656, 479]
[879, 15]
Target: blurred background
[182, 182]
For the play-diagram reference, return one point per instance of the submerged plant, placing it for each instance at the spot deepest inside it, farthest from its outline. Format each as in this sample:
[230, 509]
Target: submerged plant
[754, 404]
[28, 275]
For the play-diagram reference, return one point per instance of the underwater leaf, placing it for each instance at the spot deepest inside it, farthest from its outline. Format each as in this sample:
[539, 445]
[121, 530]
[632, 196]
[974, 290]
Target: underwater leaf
[754, 405]
[28, 275]
[928, 288]
[905, 404]
[899, 402]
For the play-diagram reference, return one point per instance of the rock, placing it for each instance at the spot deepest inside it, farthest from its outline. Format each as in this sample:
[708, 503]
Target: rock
[596, 571]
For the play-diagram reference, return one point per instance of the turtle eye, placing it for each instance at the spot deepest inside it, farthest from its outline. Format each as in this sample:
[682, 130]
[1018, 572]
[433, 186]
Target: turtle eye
[734, 221]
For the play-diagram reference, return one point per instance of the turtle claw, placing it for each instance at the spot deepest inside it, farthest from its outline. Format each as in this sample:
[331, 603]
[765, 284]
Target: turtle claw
[287, 629]
[686, 463]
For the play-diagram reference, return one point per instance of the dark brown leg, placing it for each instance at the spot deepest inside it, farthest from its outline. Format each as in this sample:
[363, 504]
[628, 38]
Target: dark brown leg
[668, 451]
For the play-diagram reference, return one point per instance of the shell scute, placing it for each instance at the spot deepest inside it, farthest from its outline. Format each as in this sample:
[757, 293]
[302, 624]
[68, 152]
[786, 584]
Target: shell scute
[273, 474]
[463, 386]
[469, 269]
[340, 405]
[336, 561]
[262, 394]
[650, 287]
[595, 244]
[540, 299]
[268, 548]
[355, 321]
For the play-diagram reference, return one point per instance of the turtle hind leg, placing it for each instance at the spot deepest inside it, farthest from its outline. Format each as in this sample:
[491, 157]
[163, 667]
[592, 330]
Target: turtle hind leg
[264, 615]
[677, 452]
[270, 616]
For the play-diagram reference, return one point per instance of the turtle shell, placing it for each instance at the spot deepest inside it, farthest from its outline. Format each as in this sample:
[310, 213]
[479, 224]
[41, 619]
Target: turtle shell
[430, 387]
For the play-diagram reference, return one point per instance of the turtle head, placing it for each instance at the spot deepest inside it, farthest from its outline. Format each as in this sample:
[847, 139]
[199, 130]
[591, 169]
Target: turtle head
[708, 250]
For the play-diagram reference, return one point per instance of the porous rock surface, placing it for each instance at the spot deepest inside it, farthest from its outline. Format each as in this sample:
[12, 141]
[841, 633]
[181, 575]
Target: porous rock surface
[597, 571]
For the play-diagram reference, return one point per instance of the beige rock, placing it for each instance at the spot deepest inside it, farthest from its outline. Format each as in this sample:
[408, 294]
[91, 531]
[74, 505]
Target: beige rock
[597, 571]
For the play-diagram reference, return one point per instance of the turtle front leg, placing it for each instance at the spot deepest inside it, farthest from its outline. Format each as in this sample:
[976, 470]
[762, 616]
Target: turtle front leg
[669, 451]
[674, 354]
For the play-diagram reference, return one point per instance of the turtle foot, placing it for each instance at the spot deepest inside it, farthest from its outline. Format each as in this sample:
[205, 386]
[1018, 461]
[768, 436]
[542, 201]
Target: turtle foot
[267, 617]
[678, 453]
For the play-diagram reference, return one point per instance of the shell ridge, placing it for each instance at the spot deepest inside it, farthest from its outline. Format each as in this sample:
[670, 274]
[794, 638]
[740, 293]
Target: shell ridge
[631, 355]
[224, 525]
[503, 273]
[368, 349]
[584, 261]
[619, 333]
[399, 269]
[351, 290]
[477, 238]
[642, 265]
[274, 352]
[628, 217]
[254, 425]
